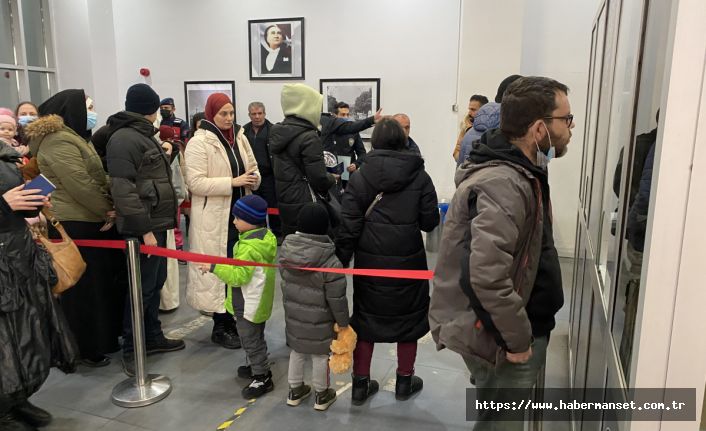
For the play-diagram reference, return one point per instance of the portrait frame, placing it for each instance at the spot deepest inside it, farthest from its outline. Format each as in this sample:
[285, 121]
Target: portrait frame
[287, 62]
[196, 93]
[350, 90]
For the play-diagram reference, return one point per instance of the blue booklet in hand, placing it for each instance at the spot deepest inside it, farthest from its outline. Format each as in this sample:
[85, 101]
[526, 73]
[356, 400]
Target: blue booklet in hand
[42, 183]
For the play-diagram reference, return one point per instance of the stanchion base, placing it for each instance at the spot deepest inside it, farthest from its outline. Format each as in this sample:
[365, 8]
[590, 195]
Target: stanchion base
[128, 394]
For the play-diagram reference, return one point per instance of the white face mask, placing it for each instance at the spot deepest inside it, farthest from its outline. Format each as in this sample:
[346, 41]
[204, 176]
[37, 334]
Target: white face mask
[542, 158]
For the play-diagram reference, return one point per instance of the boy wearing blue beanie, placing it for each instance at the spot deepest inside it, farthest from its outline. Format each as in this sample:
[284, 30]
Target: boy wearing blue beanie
[251, 289]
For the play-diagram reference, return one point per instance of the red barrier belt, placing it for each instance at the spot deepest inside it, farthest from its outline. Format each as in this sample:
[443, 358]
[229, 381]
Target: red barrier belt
[203, 258]
[273, 211]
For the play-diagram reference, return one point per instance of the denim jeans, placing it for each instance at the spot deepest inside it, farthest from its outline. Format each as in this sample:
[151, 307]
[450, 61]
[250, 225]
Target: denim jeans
[492, 384]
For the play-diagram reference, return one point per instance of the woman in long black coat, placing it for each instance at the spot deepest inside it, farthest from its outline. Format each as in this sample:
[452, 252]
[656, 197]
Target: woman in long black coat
[31, 328]
[386, 205]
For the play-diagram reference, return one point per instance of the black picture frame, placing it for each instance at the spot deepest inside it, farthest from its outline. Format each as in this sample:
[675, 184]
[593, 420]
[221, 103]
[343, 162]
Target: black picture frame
[350, 90]
[288, 61]
[196, 93]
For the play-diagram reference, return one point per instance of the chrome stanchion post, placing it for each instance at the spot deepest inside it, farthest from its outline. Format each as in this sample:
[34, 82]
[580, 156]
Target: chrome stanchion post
[144, 389]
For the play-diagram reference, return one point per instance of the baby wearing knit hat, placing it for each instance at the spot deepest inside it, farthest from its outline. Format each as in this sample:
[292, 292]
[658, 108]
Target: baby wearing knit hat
[8, 130]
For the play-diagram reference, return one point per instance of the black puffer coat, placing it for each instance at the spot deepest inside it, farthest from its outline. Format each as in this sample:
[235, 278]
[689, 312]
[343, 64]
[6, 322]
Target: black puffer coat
[384, 309]
[297, 155]
[32, 331]
[140, 175]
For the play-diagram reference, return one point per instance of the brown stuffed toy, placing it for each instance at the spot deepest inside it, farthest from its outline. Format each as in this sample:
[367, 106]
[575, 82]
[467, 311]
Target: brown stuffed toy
[342, 348]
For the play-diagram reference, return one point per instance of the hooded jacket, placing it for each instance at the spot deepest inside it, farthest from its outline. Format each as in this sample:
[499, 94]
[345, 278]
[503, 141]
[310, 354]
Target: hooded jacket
[488, 117]
[388, 310]
[72, 164]
[497, 282]
[297, 153]
[140, 176]
[313, 301]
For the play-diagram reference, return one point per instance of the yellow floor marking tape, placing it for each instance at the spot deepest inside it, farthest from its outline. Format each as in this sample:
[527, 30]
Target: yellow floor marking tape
[227, 423]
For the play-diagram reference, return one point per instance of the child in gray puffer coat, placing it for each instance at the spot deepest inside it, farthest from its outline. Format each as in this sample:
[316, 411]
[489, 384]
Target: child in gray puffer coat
[313, 302]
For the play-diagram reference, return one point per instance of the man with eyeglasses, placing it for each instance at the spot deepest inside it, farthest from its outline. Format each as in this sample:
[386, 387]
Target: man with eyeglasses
[497, 284]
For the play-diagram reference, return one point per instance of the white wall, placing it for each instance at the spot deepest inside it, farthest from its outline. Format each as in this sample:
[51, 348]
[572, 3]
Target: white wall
[429, 56]
[556, 42]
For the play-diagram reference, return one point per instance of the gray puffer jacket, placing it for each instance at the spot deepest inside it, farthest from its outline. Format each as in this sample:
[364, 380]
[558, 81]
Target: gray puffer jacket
[313, 301]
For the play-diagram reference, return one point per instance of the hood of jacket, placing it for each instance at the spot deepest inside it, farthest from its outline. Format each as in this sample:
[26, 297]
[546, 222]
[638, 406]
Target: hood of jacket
[282, 134]
[38, 129]
[302, 249]
[488, 117]
[390, 170]
[8, 154]
[132, 120]
[493, 147]
[302, 102]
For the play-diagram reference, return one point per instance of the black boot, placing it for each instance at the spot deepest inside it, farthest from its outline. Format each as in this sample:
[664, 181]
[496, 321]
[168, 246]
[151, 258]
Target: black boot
[406, 386]
[363, 388]
[222, 334]
[10, 422]
[32, 414]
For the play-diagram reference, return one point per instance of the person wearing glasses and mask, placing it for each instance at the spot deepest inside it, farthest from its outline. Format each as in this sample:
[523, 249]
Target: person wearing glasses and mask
[497, 284]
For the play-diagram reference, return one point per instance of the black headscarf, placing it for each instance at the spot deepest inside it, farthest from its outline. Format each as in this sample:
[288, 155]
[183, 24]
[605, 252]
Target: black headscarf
[71, 106]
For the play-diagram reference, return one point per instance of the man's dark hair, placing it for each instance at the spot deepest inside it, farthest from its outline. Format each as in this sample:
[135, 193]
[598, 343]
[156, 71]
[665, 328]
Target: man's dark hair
[503, 86]
[479, 98]
[388, 134]
[340, 105]
[526, 101]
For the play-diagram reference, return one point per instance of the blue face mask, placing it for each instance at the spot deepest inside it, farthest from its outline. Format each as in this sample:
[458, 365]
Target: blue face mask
[91, 120]
[542, 158]
[26, 119]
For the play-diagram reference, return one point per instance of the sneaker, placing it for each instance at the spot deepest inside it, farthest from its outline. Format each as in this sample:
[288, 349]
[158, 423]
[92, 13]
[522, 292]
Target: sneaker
[324, 399]
[260, 385]
[298, 394]
[31, 414]
[245, 372]
[363, 388]
[97, 361]
[406, 386]
[163, 345]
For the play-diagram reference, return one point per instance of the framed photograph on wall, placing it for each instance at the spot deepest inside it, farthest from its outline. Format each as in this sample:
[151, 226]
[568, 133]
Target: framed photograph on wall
[196, 93]
[361, 94]
[276, 48]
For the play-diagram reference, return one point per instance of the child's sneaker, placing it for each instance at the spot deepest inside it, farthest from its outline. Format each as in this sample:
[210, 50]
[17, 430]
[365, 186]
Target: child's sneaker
[324, 399]
[298, 394]
[260, 385]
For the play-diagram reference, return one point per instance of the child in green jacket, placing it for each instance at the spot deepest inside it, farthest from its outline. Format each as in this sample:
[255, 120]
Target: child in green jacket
[251, 289]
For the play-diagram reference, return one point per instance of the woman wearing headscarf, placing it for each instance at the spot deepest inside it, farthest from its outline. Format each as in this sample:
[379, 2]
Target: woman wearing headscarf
[220, 169]
[81, 202]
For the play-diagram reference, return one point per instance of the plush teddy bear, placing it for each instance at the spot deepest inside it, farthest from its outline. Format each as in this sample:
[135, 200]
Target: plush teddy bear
[342, 348]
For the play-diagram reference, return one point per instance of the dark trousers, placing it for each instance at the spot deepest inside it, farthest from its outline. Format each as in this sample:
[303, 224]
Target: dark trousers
[94, 306]
[268, 193]
[153, 271]
[363, 355]
[252, 336]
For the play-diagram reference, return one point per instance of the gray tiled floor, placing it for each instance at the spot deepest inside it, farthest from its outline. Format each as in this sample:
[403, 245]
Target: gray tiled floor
[205, 392]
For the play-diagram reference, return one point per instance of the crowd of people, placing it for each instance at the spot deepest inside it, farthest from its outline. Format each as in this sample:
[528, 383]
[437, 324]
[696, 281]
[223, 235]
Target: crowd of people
[497, 283]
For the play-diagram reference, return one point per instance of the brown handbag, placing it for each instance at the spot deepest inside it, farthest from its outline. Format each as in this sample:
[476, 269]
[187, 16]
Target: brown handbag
[66, 259]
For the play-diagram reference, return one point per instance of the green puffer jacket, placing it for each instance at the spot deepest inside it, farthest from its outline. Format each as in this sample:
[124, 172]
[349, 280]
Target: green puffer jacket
[251, 289]
[72, 164]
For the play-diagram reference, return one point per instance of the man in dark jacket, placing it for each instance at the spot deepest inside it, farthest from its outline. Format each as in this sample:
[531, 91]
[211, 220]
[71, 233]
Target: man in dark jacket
[412, 146]
[167, 112]
[297, 153]
[258, 132]
[146, 206]
[349, 145]
[497, 284]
